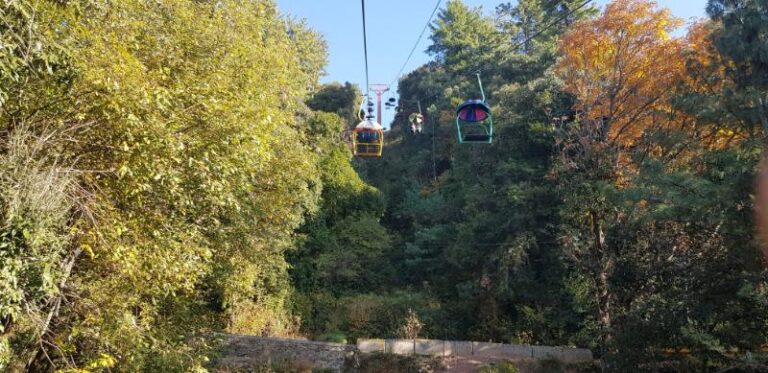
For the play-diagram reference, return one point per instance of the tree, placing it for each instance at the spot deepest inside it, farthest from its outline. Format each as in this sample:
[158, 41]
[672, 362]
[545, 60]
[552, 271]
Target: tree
[411, 326]
[537, 23]
[344, 245]
[621, 66]
[480, 235]
[649, 145]
[461, 36]
[159, 171]
[741, 38]
[344, 100]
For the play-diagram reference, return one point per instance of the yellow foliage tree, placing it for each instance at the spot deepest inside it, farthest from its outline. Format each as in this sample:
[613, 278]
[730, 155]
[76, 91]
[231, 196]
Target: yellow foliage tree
[187, 173]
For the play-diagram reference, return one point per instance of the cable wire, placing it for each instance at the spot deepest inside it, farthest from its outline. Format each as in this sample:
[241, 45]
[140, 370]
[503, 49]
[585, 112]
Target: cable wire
[365, 51]
[528, 39]
[416, 45]
[547, 27]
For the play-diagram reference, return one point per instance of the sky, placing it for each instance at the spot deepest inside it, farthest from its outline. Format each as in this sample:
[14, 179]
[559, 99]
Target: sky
[393, 26]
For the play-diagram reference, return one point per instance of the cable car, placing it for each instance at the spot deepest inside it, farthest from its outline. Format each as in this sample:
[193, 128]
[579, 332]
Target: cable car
[474, 122]
[368, 139]
[416, 120]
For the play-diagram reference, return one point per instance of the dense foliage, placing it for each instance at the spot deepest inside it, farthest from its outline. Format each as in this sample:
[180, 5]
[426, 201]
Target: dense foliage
[614, 208]
[155, 165]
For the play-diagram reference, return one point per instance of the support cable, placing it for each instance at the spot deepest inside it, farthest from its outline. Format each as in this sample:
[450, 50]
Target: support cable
[416, 45]
[518, 45]
[365, 51]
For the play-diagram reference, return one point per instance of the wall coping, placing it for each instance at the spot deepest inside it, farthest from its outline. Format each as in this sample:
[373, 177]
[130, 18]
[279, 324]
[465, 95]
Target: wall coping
[288, 340]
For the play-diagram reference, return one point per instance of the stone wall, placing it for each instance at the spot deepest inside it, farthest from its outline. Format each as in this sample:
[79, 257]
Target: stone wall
[243, 351]
[461, 348]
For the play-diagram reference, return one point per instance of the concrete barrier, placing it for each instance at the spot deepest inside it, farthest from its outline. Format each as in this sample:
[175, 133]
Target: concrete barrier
[516, 351]
[545, 352]
[575, 355]
[400, 346]
[432, 347]
[486, 349]
[243, 351]
[371, 345]
[460, 348]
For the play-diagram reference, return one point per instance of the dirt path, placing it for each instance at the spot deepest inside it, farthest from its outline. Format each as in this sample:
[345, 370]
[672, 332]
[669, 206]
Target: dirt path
[471, 364]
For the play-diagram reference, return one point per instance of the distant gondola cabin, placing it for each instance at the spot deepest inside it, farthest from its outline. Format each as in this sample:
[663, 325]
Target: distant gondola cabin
[416, 120]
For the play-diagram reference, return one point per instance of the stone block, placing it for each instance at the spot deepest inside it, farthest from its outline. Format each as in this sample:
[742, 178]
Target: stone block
[461, 348]
[244, 352]
[515, 351]
[575, 355]
[545, 352]
[433, 347]
[371, 345]
[488, 349]
[400, 346]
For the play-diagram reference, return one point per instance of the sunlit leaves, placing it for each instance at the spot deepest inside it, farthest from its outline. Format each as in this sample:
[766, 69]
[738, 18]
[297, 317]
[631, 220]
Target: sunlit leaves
[182, 117]
[623, 66]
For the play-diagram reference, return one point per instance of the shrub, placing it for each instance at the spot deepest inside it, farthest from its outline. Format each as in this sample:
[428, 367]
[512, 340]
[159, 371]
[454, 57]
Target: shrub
[335, 337]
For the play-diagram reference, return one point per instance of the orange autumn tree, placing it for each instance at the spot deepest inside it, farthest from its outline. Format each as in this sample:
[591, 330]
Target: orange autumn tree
[622, 66]
[622, 69]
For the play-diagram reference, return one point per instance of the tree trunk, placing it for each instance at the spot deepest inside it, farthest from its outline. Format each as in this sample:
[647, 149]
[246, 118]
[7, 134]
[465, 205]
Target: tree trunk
[606, 263]
[605, 298]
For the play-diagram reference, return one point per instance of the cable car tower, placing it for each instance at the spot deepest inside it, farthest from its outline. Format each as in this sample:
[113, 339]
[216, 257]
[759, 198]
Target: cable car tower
[379, 89]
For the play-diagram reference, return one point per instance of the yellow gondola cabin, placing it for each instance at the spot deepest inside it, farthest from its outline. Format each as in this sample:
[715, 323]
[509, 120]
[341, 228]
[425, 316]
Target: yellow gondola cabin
[368, 139]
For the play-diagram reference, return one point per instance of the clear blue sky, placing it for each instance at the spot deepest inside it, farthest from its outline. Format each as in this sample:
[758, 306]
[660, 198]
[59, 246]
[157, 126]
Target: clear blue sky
[393, 27]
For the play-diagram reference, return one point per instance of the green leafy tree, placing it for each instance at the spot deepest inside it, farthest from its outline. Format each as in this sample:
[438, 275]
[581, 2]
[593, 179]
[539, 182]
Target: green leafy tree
[462, 36]
[741, 38]
[344, 245]
[473, 221]
[336, 98]
[159, 172]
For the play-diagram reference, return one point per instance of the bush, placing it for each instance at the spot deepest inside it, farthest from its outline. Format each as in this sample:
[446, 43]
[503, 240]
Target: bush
[335, 337]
